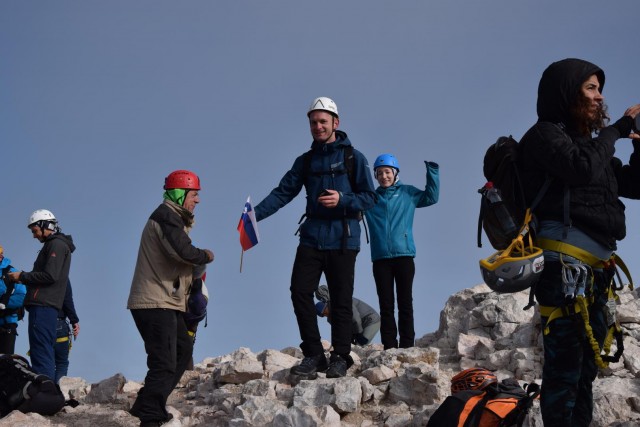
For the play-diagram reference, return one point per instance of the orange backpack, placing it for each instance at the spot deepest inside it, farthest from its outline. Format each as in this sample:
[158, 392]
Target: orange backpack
[499, 405]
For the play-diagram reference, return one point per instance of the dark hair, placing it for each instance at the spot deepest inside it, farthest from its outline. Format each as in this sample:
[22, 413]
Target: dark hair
[582, 119]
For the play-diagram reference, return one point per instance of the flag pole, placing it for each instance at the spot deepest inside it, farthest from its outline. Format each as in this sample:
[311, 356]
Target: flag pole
[241, 256]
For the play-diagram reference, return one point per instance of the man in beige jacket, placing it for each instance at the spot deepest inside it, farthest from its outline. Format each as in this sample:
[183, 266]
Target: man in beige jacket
[159, 291]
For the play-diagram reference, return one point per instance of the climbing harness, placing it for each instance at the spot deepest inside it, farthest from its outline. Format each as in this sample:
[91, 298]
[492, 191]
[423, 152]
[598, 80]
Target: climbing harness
[577, 282]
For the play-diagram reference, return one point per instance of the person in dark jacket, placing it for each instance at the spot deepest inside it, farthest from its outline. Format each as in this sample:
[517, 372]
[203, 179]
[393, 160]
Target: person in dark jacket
[159, 291]
[68, 326]
[392, 245]
[11, 305]
[338, 190]
[580, 220]
[46, 287]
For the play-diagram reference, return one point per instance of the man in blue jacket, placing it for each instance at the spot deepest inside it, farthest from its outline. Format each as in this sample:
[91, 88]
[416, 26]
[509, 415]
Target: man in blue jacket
[339, 187]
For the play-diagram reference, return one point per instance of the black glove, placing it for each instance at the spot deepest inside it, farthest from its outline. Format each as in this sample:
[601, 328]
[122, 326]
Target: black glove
[360, 339]
[624, 125]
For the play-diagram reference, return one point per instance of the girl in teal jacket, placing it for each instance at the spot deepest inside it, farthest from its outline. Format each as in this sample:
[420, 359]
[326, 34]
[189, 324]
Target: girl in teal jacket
[392, 247]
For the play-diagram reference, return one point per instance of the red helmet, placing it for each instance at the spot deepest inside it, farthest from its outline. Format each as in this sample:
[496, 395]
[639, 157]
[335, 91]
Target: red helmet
[472, 379]
[182, 179]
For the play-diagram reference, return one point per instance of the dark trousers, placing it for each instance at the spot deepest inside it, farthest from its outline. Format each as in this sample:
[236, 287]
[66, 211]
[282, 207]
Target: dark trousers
[395, 275]
[62, 348]
[338, 267]
[169, 349]
[569, 368]
[42, 339]
[8, 333]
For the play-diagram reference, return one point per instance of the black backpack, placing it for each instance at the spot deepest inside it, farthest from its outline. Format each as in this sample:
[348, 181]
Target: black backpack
[196, 306]
[505, 404]
[22, 389]
[503, 204]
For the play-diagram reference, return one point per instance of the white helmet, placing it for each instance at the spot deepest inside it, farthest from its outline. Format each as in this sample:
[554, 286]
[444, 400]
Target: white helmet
[41, 215]
[324, 104]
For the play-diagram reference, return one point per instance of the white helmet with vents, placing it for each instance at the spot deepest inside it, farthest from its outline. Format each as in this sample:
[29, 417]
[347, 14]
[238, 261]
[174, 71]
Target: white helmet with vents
[323, 104]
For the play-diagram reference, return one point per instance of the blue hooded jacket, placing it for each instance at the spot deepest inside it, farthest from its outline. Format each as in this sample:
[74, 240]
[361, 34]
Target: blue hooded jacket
[16, 300]
[391, 219]
[323, 228]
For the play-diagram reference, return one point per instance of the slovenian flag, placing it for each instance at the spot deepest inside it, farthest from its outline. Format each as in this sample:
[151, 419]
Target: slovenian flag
[248, 227]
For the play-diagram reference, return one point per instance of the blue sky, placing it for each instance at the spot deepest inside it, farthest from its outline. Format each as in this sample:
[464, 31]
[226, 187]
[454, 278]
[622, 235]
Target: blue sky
[99, 101]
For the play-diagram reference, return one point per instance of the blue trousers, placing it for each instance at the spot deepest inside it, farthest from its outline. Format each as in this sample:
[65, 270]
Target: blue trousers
[42, 339]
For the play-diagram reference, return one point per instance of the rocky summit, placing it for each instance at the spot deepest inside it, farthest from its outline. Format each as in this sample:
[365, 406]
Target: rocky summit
[394, 388]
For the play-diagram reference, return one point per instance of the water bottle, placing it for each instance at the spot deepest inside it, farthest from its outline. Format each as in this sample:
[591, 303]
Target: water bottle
[500, 209]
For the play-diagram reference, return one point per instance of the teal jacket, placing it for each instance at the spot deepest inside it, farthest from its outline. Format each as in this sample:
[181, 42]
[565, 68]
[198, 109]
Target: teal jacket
[15, 301]
[391, 219]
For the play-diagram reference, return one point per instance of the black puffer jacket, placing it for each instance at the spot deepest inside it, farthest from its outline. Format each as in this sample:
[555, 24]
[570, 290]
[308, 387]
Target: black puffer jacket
[595, 177]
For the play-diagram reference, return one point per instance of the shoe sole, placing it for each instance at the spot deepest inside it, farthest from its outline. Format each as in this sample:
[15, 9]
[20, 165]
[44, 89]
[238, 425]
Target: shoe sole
[331, 375]
[324, 369]
[299, 377]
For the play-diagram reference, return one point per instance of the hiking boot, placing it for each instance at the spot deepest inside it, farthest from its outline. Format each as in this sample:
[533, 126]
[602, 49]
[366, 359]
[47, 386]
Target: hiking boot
[310, 366]
[337, 366]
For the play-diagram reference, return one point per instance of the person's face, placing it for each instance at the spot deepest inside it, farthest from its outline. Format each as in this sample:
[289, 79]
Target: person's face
[191, 200]
[591, 91]
[37, 233]
[323, 126]
[386, 176]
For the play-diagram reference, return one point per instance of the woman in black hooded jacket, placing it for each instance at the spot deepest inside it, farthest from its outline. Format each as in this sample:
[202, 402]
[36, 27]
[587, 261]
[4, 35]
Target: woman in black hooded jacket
[581, 209]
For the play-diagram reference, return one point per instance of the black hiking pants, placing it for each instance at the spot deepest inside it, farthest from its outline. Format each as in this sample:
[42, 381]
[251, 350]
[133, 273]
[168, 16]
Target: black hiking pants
[8, 333]
[338, 267]
[169, 349]
[395, 276]
[569, 369]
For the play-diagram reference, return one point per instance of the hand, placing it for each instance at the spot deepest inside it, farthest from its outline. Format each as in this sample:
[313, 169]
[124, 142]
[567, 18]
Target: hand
[634, 112]
[210, 256]
[360, 339]
[431, 164]
[75, 329]
[14, 276]
[330, 200]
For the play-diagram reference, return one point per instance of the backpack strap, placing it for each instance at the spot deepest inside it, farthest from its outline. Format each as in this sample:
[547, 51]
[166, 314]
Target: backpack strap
[518, 414]
[4, 299]
[348, 168]
[566, 201]
[348, 164]
[472, 411]
[480, 216]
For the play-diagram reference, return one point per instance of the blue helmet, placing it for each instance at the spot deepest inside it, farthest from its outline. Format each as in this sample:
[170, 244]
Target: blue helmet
[388, 160]
[320, 306]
